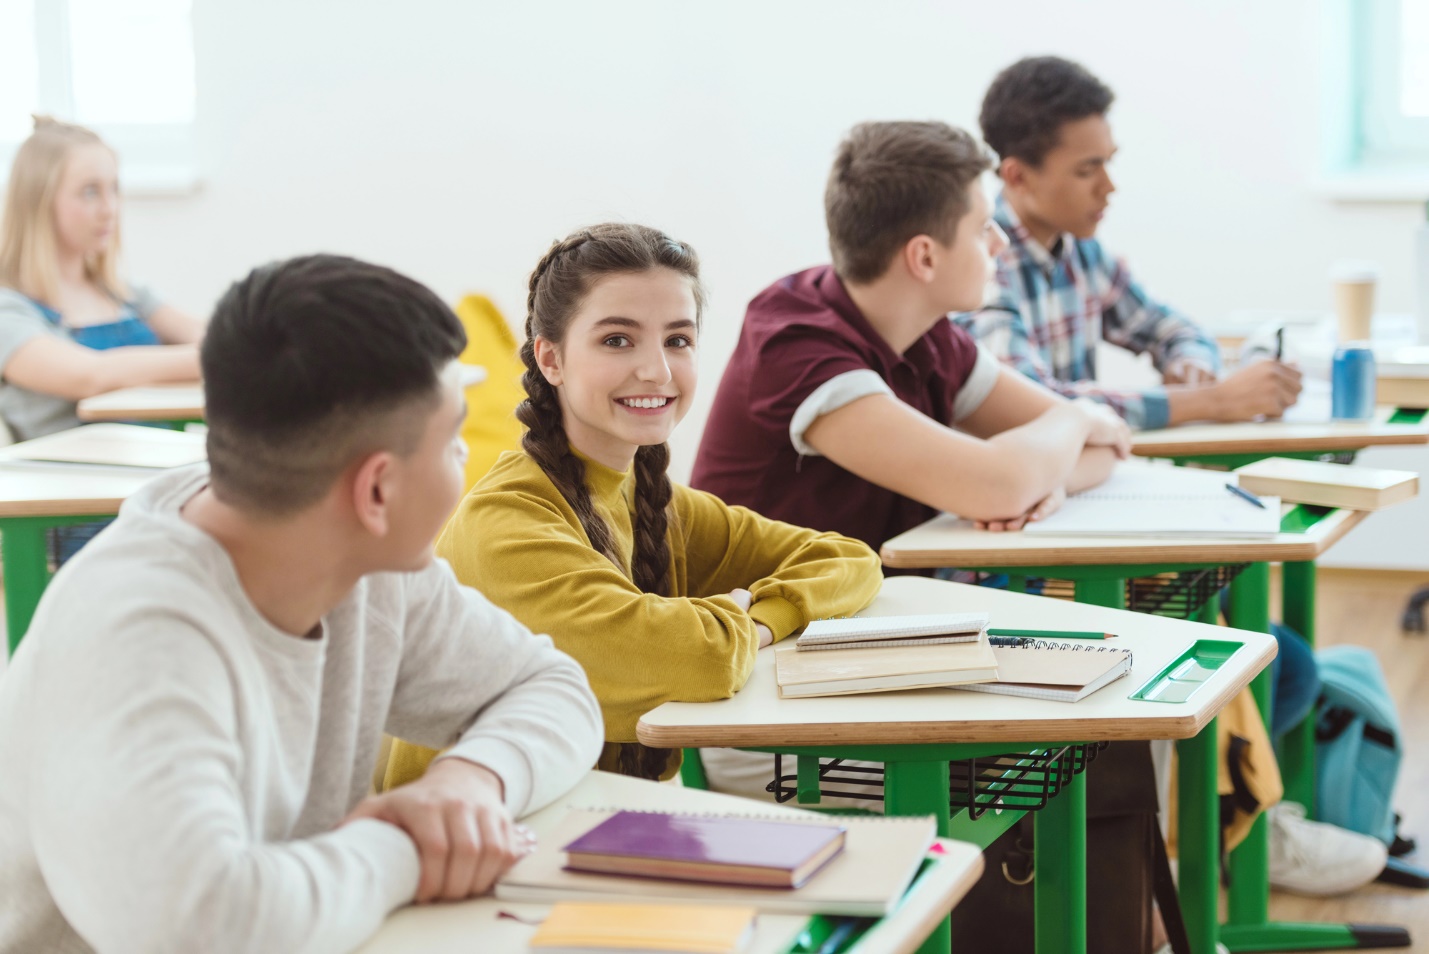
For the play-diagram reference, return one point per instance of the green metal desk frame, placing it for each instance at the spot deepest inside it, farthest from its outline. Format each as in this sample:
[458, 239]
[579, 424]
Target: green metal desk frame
[25, 558]
[916, 783]
[1248, 926]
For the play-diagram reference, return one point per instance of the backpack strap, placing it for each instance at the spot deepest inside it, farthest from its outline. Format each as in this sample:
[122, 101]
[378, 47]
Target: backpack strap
[1167, 901]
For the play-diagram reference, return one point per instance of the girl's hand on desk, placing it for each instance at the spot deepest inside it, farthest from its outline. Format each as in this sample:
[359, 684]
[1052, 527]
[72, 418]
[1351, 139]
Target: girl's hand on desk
[743, 597]
[456, 814]
[766, 638]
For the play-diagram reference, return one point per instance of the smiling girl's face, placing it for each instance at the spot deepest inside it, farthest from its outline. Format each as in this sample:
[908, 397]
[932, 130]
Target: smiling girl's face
[625, 373]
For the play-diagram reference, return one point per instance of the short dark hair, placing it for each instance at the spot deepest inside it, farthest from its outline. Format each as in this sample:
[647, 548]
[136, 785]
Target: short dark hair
[1027, 104]
[893, 181]
[311, 362]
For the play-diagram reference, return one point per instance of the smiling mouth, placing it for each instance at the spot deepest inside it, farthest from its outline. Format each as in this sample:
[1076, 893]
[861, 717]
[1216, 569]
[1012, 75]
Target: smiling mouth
[646, 403]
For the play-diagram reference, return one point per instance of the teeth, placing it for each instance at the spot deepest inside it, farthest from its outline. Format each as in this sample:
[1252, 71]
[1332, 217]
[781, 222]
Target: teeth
[645, 402]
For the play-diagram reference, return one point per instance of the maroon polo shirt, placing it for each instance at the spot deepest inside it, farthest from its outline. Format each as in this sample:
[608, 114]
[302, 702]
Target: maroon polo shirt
[799, 333]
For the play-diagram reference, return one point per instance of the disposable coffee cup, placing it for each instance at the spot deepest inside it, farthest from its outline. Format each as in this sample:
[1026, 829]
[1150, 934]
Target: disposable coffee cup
[1353, 286]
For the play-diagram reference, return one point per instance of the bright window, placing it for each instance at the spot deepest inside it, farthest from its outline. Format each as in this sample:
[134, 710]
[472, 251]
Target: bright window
[123, 67]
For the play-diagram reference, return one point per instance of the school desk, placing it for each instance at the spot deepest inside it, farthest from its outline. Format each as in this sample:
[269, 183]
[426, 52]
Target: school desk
[169, 402]
[918, 733]
[35, 497]
[474, 925]
[1234, 445]
[1100, 568]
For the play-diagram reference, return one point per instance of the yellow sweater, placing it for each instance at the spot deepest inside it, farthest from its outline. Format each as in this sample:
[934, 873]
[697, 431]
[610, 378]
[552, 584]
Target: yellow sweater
[516, 540]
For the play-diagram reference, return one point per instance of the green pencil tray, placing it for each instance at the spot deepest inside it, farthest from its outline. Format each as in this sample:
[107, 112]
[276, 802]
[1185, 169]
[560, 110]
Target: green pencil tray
[1187, 672]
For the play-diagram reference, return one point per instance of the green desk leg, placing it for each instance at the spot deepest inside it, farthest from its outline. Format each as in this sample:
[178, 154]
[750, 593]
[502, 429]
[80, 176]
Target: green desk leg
[27, 573]
[1198, 837]
[692, 770]
[1060, 889]
[1297, 747]
[1248, 926]
[921, 788]
[1249, 896]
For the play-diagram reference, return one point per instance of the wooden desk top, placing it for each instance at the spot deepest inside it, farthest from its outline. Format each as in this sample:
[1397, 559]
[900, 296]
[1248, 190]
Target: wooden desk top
[1272, 437]
[757, 716]
[474, 926]
[169, 402]
[950, 541]
[39, 488]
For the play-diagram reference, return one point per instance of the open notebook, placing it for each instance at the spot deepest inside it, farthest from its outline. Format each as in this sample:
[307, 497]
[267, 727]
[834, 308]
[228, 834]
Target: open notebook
[1060, 671]
[1154, 500]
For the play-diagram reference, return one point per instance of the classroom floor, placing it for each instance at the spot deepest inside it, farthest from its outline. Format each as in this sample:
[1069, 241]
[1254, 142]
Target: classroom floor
[1364, 607]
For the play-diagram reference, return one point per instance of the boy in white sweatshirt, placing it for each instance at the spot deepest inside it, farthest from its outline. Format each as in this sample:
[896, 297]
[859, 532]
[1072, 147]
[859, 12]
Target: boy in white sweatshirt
[188, 730]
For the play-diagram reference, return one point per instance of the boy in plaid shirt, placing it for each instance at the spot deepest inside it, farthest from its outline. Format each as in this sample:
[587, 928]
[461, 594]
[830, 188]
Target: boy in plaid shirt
[1057, 291]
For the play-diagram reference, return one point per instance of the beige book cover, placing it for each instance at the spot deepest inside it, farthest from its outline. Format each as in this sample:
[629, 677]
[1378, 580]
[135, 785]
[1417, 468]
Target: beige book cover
[880, 857]
[1329, 485]
[833, 672]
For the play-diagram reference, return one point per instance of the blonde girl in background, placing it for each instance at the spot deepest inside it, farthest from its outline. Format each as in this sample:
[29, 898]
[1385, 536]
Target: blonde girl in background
[661, 592]
[70, 327]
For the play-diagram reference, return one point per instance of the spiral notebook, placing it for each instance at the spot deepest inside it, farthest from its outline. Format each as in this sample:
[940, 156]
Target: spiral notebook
[879, 859]
[1148, 499]
[871, 632]
[1061, 672]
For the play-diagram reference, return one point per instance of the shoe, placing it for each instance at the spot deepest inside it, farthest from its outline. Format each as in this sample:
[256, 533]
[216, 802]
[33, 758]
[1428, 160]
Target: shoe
[1309, 857]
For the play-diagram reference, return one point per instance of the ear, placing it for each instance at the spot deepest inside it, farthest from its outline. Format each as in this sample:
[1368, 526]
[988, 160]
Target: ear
[371, 486]
[920, 258]
[1013, 172]
[548, 359]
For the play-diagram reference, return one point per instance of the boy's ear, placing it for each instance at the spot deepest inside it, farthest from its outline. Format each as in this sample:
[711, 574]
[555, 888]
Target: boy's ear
[920, 259]
[548, 360]
[371, 487]
[1013, 172]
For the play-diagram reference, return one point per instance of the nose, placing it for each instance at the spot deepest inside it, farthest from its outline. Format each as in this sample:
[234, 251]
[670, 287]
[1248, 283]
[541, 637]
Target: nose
[653, 368]
[1108, 187]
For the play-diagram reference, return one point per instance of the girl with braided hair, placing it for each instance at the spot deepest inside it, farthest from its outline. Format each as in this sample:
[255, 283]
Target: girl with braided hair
[661, 592]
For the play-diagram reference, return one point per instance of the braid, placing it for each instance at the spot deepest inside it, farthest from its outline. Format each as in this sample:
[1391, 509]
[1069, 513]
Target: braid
[650, 563]
[545, 438]
[558, 283]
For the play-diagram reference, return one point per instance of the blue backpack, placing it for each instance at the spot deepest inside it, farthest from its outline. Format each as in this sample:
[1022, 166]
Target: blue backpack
[1357, 743]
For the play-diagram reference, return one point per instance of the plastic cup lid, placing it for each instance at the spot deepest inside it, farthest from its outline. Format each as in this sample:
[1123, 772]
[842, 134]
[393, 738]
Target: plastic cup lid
[1350, 270]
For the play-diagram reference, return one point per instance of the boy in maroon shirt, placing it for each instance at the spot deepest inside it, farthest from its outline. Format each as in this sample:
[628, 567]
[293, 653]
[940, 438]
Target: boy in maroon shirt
[852, 404]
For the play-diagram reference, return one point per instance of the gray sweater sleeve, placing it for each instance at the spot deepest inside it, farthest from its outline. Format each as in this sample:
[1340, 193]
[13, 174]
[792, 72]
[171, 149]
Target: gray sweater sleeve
[476, 679]
[165, 860]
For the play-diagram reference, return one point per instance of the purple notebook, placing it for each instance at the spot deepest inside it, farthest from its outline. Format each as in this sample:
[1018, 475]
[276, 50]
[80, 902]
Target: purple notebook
[706, 848]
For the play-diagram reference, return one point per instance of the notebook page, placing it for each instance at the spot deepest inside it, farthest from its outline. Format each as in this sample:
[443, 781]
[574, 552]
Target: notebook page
[1145, 499]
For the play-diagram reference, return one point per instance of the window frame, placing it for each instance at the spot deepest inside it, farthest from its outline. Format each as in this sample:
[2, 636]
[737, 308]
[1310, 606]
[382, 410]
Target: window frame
[155, 158]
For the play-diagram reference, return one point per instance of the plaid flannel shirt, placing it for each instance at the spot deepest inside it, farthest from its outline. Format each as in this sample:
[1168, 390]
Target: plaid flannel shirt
[1045, 310]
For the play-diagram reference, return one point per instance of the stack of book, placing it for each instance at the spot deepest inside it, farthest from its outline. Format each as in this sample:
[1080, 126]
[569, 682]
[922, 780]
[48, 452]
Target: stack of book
[949, 650]
[883, 653]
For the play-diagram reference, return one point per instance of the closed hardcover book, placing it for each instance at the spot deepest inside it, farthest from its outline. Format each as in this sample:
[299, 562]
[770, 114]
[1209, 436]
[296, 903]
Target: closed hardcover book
[1329, 485]
[836, 672]
[868, 632]
[575, 927]
[880, 857]
[750, 851]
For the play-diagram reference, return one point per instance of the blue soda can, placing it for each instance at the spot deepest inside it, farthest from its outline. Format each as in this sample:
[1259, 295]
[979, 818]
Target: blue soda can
[1352, 383]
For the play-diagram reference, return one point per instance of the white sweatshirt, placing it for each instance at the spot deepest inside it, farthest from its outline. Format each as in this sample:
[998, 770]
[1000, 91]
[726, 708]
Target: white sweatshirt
[172, 766]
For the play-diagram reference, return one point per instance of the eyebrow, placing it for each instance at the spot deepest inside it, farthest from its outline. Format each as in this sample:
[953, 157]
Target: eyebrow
[619, 322]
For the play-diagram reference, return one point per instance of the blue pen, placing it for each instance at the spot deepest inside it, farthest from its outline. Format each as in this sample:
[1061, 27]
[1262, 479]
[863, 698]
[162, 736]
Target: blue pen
[1245, 495]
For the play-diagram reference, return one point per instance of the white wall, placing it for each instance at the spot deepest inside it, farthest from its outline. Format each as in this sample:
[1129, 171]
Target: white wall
[454, 140]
